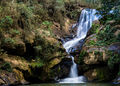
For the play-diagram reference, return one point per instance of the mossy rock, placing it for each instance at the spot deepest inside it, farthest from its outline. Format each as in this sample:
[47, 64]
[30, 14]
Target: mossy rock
[100, 74]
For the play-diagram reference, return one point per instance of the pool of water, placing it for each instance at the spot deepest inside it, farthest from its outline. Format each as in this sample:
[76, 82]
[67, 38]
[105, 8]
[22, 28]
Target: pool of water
[85, 84]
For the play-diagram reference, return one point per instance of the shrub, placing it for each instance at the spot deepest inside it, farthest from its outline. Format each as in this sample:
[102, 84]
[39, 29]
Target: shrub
[38, 63]
[106, 36]
[25, 11]
[114, 59]
[48, 25]
[81, 57]
[6, 66]
[95, 29]
[6, 22]
[8, 41]
[14, 32]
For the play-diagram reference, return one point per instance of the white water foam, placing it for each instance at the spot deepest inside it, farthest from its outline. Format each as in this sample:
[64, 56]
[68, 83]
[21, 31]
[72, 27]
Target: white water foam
[84, 24]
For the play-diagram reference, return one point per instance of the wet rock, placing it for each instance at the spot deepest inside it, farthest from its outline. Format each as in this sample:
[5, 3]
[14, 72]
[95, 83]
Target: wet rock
[62, 69]
[115, 47]
[117, 80]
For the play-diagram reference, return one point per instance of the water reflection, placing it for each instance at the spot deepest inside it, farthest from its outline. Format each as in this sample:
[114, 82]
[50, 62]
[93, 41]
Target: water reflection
[86, 84]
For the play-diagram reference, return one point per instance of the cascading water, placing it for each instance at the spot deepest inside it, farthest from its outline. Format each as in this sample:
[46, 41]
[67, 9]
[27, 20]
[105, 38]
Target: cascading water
[84, 24]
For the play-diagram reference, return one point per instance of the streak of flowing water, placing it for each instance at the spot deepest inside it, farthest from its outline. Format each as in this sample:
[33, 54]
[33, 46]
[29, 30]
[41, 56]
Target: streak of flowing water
[84, 24]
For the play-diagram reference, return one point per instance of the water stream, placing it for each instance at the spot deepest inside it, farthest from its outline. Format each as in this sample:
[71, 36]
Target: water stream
[85, 22]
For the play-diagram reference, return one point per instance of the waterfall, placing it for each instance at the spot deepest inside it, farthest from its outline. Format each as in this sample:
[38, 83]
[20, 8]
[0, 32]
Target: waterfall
[85, 22]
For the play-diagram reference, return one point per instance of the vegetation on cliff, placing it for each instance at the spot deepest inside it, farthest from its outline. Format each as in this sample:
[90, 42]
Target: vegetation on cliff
[102, 46]
[30, 31]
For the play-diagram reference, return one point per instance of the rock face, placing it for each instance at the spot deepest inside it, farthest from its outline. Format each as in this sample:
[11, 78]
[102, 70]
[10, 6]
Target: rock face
[99, 62]
[9, 73]
[17, 47]
[99, 74]
[94, 54]
[115, 47]
[7, 78]
[62, 69]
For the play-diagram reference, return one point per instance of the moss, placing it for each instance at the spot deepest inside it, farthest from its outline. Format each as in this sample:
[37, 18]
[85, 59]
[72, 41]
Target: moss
[103, 74]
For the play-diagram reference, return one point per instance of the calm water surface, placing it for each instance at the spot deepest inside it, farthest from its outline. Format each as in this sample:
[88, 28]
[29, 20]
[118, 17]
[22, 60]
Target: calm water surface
[86, 84]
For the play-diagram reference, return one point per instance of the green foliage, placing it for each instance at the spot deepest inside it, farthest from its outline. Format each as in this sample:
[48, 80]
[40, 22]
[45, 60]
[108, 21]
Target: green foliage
[92, 42]
[81, 57]
[6, 66]
[114, 59]
[60, 4]
[106, 36]
[107, 6]
[6, 22]
[100, 54]
[44, 50]
[25, 11]
[48, 25]
[14, 32]
[95, 28]
[39, 63]
[10, 41]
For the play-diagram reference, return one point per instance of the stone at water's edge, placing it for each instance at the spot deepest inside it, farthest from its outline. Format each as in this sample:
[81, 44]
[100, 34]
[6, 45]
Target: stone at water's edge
[100, 74]
[15, 77]
[117, 80]
[62, 69]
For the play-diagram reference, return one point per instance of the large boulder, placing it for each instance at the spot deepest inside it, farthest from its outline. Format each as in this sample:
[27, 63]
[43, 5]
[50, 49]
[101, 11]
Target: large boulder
[100, 74]
[94, 54]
